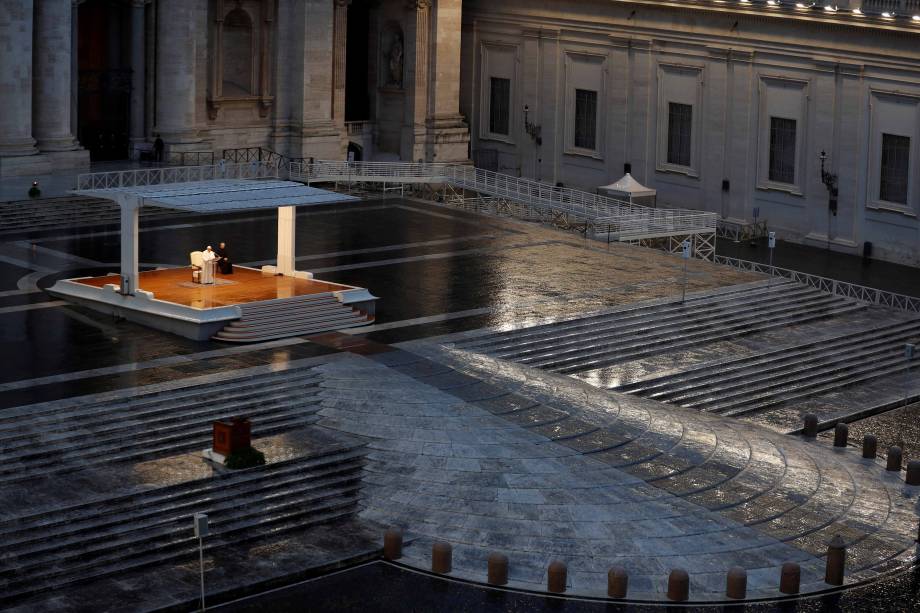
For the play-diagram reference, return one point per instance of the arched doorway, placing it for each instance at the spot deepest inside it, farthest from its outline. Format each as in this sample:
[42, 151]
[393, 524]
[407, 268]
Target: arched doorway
[104, 72]
[355, 152]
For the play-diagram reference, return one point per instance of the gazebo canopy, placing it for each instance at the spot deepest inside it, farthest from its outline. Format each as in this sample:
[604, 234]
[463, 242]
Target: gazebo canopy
[629, 186]
[222, 196]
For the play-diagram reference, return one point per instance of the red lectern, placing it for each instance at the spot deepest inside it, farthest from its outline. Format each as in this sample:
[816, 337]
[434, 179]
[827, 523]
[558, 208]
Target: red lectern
[232, 435]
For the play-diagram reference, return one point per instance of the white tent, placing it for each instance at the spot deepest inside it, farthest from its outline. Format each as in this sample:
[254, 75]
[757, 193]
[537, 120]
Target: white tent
[630, 190]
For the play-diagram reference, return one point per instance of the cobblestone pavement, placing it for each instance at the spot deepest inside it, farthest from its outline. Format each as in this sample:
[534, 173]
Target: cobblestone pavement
[492, 456]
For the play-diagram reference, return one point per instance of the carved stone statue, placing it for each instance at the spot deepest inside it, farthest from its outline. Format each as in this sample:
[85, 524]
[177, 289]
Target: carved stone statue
[396, 61]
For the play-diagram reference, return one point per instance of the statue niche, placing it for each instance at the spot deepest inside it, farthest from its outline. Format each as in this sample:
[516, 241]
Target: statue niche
[393, 55]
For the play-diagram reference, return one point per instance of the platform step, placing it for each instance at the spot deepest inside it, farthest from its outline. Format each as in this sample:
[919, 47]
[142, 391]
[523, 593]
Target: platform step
[110, 537]
[291, 317]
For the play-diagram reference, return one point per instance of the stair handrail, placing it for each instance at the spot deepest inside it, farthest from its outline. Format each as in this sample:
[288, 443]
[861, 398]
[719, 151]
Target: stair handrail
[860, 293]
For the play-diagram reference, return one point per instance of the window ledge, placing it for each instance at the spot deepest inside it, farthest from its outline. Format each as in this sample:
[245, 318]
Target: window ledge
[585, 153]
[890, 207]
[500, 138]
[678, 170]
[792, 190]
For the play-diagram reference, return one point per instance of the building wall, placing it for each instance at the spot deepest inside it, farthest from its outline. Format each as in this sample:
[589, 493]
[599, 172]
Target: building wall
[844, 85]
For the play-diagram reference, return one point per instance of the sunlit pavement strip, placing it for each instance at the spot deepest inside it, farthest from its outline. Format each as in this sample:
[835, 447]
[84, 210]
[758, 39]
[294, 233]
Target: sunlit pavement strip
[492, 456]
[135, 366]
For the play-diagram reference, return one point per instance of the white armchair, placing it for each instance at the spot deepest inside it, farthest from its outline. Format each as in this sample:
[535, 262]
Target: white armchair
[197, 264]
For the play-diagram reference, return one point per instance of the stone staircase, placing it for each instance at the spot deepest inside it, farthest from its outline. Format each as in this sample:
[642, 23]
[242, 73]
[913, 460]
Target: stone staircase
[91, 540]
[63, 438]
[759, 382]
[106, 485]
[636, 332]
[303, 315]
[21, 216]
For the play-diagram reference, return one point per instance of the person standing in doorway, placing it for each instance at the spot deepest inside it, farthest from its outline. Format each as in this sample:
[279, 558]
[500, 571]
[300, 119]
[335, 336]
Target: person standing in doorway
[158, 146]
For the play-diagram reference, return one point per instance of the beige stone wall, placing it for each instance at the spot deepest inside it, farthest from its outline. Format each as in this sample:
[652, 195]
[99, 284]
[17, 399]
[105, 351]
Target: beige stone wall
[736, 69]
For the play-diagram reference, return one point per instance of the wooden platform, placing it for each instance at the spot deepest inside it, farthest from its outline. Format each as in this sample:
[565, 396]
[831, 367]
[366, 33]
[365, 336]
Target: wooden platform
[246, 285]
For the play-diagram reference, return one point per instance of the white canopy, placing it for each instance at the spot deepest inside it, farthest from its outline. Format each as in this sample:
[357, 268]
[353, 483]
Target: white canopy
[629, 186]
[221, 196]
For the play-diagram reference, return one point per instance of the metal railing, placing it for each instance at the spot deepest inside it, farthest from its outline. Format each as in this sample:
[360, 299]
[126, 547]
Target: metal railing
[176, 174]
[625, 220]
[257, 154]
[358, 128]
[190, 158]
[861, 293]
[737, 232]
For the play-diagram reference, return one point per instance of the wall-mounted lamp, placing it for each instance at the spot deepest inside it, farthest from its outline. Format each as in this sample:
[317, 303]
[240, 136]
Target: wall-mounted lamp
[532, 129]
[830, 182]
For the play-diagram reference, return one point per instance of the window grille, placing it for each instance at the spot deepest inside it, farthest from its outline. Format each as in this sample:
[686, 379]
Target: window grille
[500, 106]
[680, 122]
[782, 150]
[585, 119]
[893, 176]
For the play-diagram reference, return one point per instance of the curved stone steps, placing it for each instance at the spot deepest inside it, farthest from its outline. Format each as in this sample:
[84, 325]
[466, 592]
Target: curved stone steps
[682, 318]
[486, 343]
[601, 359]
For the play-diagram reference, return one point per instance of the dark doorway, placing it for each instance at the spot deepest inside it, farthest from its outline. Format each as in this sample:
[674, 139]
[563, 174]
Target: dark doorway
[104, 95]
[357, 95]
[356, 150]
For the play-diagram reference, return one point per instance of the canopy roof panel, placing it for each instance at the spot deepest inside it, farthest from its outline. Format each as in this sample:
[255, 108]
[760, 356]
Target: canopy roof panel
[628, 185]
[224, 195]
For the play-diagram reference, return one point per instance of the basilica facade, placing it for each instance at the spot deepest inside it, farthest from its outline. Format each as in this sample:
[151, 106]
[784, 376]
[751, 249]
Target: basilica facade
[805, 116]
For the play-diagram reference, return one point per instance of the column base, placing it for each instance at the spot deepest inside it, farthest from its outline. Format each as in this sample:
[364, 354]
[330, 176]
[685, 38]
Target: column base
[75, 158]
[18, 166]
[440, 140]
[320, 141]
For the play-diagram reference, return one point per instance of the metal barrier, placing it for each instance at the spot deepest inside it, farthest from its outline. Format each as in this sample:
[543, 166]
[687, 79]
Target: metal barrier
[176, 174]
[595, 214]
[861, 293]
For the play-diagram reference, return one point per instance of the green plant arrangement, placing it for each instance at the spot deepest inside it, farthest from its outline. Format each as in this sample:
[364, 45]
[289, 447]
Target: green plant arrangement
[245, 458]
[34, 192]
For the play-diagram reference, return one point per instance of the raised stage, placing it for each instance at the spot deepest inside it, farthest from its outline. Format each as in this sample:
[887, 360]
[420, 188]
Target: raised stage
[245, 285]
[249, 305]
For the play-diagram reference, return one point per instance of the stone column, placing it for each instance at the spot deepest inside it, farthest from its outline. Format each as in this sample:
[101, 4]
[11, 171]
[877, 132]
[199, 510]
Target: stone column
[416, 109]
[74, 67]
[176, 72]
[138, 72]
[16, 140]
[287, 240]
[340, 46]
[52, 85]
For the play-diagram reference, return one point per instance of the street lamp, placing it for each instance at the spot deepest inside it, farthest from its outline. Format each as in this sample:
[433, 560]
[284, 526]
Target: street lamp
[532, 129]
[830, 182]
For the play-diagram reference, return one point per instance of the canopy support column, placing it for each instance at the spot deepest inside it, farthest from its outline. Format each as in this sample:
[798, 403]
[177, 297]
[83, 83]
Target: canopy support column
[130, 216]
[287, 233]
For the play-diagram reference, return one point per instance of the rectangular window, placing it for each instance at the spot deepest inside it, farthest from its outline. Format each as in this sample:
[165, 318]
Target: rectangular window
[895, 167]
[500, 106]
[585, 119]
[782, 150]
[680, 120]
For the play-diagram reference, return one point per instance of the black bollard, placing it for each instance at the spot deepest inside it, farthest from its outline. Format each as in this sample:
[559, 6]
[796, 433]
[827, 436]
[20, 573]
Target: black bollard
[870, 446]
[841, 434]
[894, 459]
[811, 426]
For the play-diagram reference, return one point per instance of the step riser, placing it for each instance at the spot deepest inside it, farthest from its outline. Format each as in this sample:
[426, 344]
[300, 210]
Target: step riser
[678, 312]
[715, 373]
[202, 421]
[755, 381]
[735, 330]
[175, 520]
[694, 340]
[246, 382]
[479, 344]
[111, 423]
[648, 334]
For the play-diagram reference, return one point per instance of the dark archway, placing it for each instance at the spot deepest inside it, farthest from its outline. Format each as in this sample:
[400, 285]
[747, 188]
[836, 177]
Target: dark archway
[357, 150]
[104, 72]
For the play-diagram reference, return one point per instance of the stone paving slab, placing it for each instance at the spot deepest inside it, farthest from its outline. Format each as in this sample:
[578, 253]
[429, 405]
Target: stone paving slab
[679, 488]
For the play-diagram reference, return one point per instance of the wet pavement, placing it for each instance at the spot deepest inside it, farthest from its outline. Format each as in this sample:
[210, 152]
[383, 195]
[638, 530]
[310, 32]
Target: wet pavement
[437, 271]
